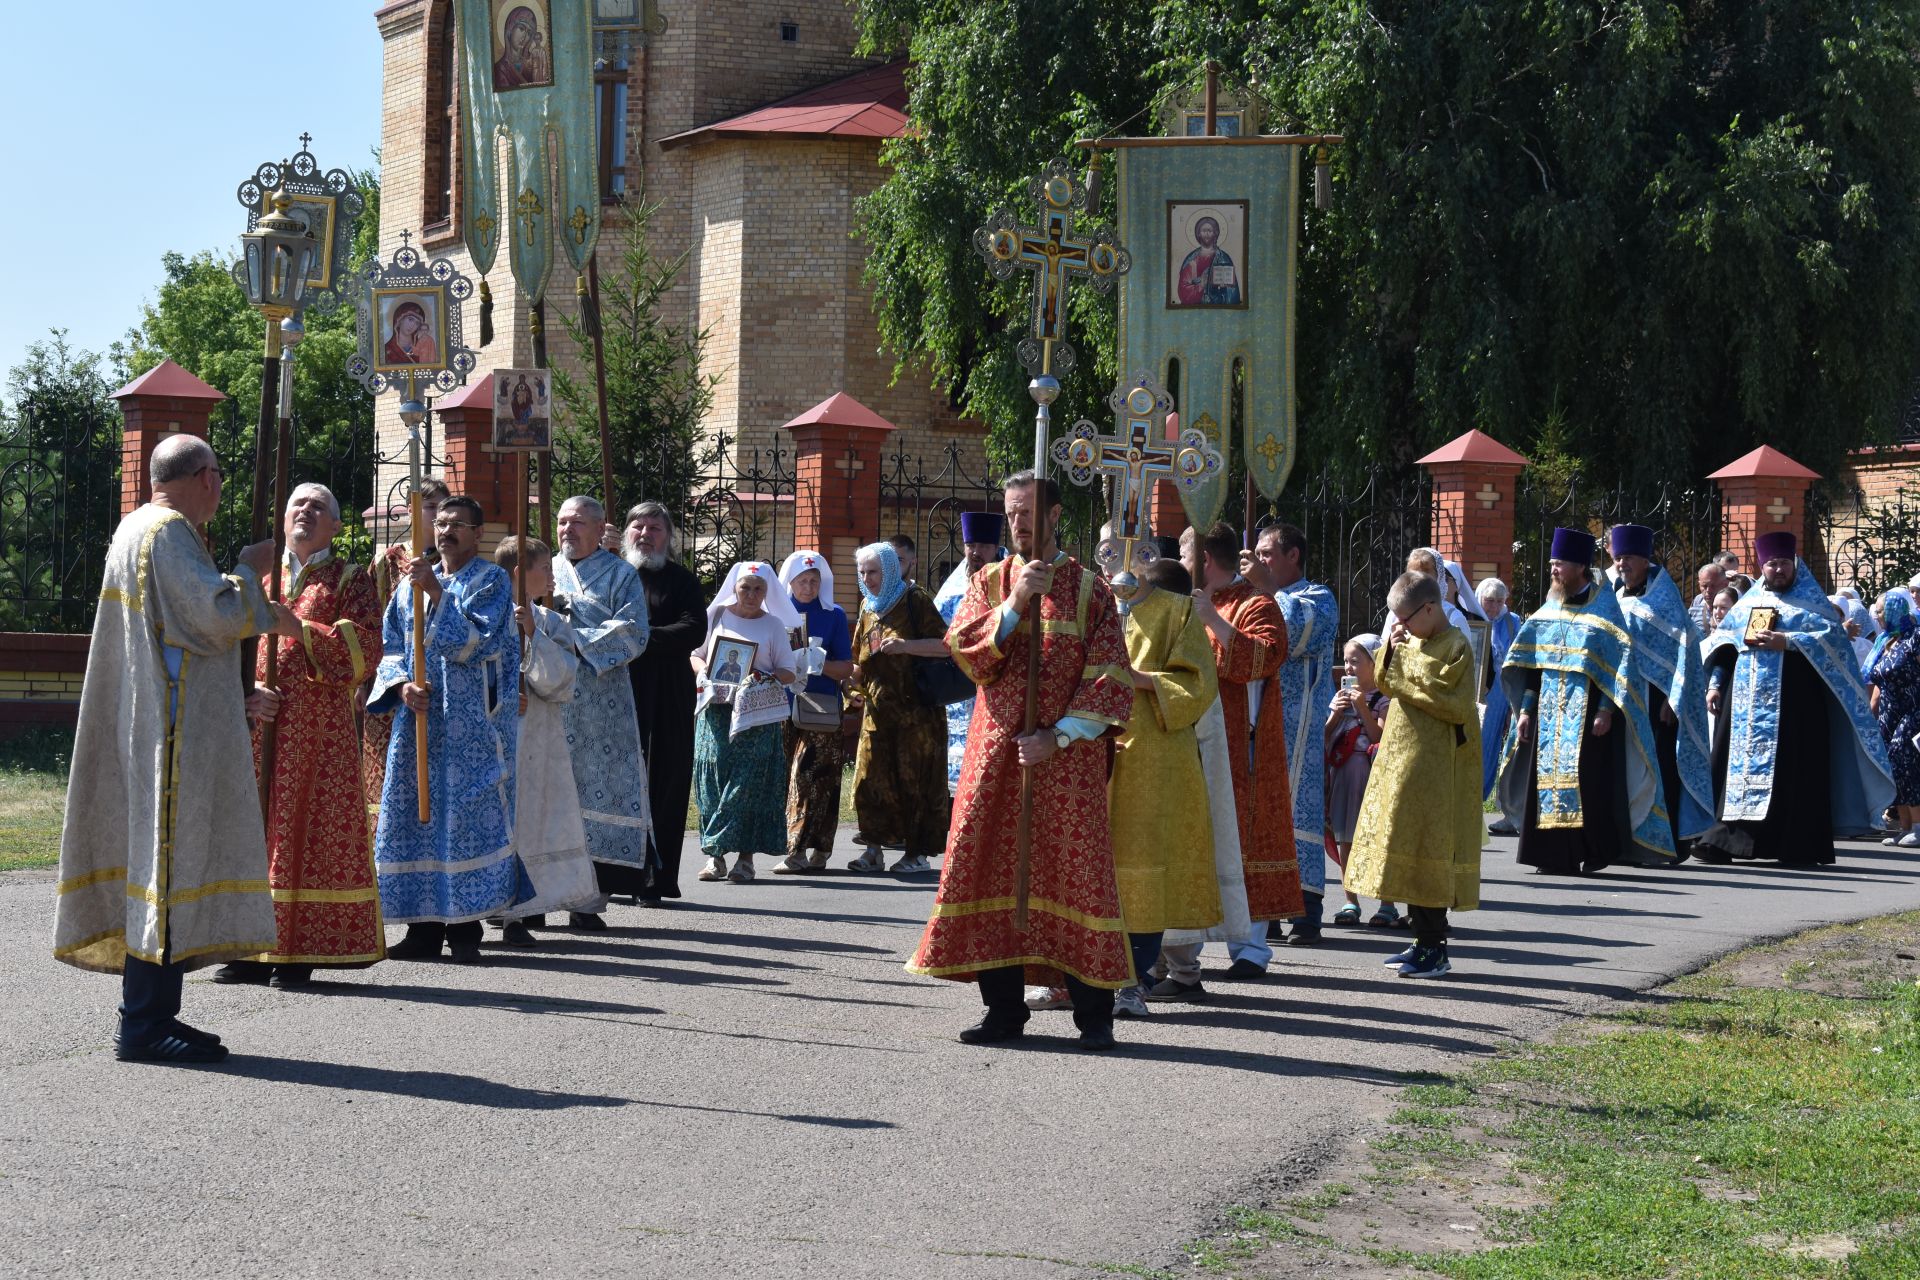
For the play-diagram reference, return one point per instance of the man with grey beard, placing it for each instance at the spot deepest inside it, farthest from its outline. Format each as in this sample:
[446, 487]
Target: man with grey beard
[663, 691]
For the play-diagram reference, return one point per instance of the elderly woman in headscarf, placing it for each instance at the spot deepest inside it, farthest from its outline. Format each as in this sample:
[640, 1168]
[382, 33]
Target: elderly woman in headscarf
[1893, 672]
[900, 774]
[738, 777]
[814, 754]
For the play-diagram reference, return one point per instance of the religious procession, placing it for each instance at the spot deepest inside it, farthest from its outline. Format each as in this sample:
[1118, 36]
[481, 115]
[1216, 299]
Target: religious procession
[801, 587]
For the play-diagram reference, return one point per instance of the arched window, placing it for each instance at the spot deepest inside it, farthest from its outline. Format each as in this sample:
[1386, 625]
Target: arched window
[440, 148]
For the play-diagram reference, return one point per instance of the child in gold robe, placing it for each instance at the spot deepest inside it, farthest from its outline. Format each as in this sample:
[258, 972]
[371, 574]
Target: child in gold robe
[1420, 830]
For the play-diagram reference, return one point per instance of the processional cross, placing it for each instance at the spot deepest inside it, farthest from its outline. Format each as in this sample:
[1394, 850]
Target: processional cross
[1135, 457]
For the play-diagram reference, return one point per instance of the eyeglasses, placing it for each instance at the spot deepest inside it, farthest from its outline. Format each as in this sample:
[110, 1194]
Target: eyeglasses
[445, 525]
[1404, 618]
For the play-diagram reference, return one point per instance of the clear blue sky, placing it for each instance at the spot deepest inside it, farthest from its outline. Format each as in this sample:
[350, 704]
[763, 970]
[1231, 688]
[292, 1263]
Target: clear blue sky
[131, 123]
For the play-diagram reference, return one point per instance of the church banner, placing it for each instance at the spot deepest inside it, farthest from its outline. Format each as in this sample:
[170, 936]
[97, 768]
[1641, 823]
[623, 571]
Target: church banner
[1214, 230]
[527, 76]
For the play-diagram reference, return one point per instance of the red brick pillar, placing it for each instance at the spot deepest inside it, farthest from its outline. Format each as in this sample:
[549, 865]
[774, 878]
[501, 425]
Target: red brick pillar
[473, 468]
[163, 401]
[1762, 492]
[1474, 477]
[838, 448]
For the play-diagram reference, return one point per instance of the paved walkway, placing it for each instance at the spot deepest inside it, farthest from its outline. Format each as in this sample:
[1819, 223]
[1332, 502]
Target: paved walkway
[747, 1084]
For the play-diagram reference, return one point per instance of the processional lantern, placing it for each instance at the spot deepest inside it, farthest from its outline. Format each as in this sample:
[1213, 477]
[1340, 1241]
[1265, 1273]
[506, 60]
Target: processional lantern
[299, 224]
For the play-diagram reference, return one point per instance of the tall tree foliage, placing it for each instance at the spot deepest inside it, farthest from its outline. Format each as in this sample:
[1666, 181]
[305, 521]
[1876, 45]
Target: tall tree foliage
[200, 320]
[657, 391]
[1629, 236]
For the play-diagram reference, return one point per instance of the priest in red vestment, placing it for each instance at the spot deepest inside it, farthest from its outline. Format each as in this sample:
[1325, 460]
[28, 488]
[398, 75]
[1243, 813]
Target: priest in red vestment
[1086, 690]
[1249, 643]
[326, 903]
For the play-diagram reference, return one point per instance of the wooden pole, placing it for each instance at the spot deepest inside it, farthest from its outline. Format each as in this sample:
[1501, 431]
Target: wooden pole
[600, 385]
[537, 330]
[520, 566]
[1023, 858]
[418, 542]
[282, 469]
[262, 513]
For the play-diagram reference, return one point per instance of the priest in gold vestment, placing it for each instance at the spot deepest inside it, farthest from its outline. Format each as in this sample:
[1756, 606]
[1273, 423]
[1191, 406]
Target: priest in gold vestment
[163, 860]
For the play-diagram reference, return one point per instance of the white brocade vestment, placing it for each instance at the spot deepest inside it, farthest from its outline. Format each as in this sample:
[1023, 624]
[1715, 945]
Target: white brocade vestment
[608, 613]
[163, 854]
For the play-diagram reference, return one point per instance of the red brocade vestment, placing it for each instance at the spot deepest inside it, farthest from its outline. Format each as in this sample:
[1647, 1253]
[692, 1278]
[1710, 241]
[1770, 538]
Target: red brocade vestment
[1261, 792]
[319, 858]
[1074, 920]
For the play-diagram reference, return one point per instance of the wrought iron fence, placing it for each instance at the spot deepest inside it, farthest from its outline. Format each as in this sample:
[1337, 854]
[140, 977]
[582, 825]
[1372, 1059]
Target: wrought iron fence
[1360, 528]
[59, 503]
[1685, 519]
[341, 456]
[1869, 543]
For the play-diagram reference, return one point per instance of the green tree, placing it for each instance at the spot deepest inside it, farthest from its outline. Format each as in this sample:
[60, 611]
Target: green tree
[1632, 236]
[201, 321]
[59, 494]
[657, 394]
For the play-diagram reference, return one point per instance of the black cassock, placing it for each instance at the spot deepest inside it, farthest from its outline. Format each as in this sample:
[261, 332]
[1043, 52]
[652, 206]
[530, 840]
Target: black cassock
[1605, 835]
[1799, 822]
[663, 696]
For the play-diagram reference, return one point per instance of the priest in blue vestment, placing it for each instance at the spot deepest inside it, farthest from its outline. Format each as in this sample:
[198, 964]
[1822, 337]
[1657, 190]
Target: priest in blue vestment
[441, 877]
[1666, 651]
[607, 609]
[1579, 776]
[1300, 693]
[1790, 711]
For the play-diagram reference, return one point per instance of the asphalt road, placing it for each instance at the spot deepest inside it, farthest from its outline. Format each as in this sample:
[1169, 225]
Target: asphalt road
[747, 1084]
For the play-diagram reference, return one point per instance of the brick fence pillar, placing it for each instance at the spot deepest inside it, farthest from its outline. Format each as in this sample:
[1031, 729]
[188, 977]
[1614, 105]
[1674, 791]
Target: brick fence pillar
[1762, 492]
[163, 401]
[1474, 477]
[838, 446]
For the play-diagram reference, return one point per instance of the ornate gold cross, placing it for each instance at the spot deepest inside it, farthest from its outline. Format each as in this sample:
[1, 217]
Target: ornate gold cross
[528, 209]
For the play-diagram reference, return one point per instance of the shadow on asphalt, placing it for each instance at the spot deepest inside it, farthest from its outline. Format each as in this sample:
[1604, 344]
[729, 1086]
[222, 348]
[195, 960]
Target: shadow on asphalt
[449, 1086]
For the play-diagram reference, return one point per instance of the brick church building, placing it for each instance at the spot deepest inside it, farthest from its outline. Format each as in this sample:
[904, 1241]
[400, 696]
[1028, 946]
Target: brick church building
[756, 129]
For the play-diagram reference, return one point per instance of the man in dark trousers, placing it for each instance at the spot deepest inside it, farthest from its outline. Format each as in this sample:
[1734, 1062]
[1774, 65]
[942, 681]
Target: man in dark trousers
[663, 692]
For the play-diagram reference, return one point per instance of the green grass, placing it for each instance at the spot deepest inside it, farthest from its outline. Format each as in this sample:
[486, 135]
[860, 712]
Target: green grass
[1739, 1129]
[33, 795]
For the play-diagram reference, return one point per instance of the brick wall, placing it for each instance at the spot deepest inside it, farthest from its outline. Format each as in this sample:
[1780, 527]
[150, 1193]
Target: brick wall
[1878, 475]
[766, 224]
[40, 679]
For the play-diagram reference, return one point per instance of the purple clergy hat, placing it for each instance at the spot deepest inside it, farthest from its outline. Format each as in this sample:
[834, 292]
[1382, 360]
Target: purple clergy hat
[1631, 540]
[981, 526]
[1778, 545]
[1573, 545]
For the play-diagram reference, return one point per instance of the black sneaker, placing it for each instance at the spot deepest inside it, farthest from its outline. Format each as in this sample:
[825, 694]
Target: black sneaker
[516, 934]
[585, 921]
[1303, 937]
[1242, 971]
[247, 972]
[1173, 989]
[1427, 962]
[171, 1048]
[989, 1031]
[1099, 1040]
[291, 977]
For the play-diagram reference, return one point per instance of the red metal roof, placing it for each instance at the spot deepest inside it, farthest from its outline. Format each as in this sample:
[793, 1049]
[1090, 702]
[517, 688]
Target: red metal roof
[841, 410]
[169, 379]
[1474, 446]
[867, 104]
[1768, 462]
[478, 391]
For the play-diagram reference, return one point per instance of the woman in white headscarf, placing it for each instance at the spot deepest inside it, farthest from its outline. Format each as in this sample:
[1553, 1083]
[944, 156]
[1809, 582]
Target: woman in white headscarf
[1430, 562]
[900, 774]
[814, 753]
[738, 779]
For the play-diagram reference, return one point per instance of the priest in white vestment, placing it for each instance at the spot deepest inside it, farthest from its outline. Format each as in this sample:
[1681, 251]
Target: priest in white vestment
[163, 859]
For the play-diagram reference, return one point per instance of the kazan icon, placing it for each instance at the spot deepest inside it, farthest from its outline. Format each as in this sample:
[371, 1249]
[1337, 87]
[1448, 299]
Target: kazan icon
[1207, 247]
[522, 56]
[408, 329]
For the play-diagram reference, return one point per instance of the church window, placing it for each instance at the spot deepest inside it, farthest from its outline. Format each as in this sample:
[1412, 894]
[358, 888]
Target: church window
[441, 125]
[790, 32]
[610, 109]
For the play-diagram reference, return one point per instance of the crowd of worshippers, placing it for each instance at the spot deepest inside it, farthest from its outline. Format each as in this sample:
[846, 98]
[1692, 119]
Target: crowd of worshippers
[1196, 748]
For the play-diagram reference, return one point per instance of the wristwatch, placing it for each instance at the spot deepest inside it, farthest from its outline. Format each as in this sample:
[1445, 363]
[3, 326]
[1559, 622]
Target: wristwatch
[1060, 738]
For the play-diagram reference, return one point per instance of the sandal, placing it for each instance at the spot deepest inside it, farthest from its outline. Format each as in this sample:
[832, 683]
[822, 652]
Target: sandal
[1385, 918]
[1347, 915]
